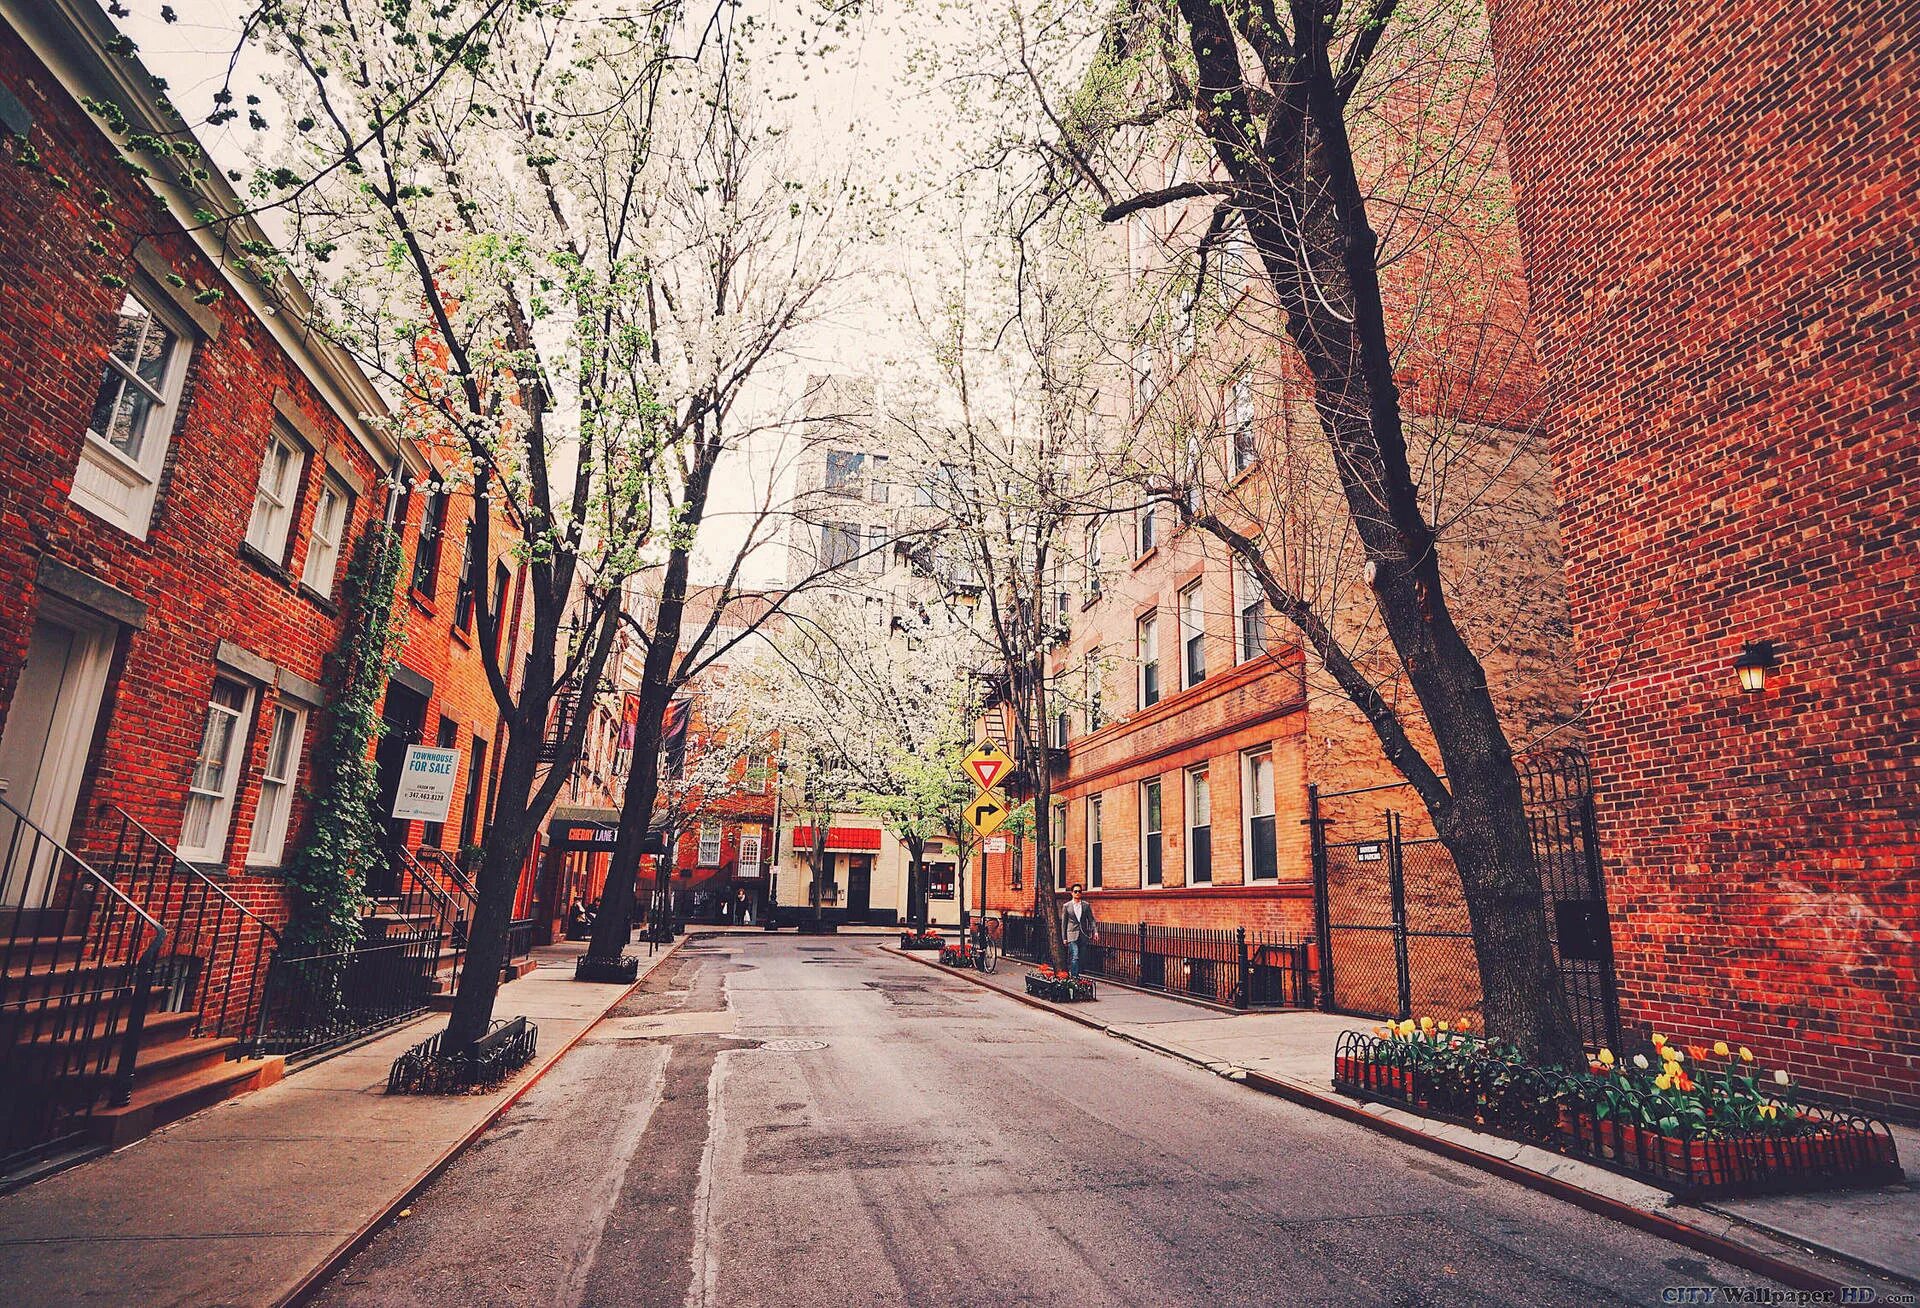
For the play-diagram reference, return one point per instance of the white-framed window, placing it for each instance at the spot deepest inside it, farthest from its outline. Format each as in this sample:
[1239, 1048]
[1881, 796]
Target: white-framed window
[1096, 863]
[1144, 531]
[216, 772]
[330, 514]
[1059, 835]
[1239, 424]
[133, 415]
[879, 489]
[1263, 862]
[876, 559]
[1194, 473]
[269, 839]
[710, 844]
[1152, 870]
[1147, 650]
[1093, 560]
[1193, 637]
[1199, 828]
[1062, 730]
[1096, 713]
[1249, 613]
[750, 853]
[277, 495]
[840, 544]
[843, 471]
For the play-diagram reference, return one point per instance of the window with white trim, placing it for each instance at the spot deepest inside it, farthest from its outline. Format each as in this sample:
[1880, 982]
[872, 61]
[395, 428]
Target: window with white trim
[1249, 613]
[1059, 837]
[1147, 649]
[1193, 637]
[710, 845]
[277, 495]
[1152, 872]
[133, 415]
[269, 839]
[1239, 424]
[1199, 828]
[1093, 560]
[1096, 863]
[1262, 854]
[216, 772]
[1144, 530]
[843, 471]
[879, 489]
[330, 513]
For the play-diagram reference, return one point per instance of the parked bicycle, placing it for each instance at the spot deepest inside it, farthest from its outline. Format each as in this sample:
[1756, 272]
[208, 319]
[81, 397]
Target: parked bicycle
[987, 940]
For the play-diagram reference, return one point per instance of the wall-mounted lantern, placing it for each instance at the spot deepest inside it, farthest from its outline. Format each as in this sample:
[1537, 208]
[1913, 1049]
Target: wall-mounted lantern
[1754, 663]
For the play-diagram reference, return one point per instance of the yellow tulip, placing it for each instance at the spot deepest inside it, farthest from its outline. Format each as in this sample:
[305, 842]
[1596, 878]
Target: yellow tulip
[1443, 1025]
[1664, 1081]
[1720, 1048]
[1426, 1024]
[1674, 1055]
[1746, 1054]
[1768, 1110]
[1658, 1040]
[1606, 1058]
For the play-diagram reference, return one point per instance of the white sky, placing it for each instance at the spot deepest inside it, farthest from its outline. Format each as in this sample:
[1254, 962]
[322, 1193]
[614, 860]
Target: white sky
[862, 109]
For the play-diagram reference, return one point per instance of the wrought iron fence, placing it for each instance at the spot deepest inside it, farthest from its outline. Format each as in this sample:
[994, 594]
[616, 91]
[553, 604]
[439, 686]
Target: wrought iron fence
[317, 1000]
[214, 964]
[1237, 969]
[79, 964]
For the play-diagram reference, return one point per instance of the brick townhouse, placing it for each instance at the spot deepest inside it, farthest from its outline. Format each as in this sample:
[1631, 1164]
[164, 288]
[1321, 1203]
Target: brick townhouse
[1718, 214]
[1190, 722]
[184, 478]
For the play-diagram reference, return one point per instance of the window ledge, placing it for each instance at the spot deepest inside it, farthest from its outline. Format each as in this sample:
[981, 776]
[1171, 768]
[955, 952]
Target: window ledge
[277, 571]
[462, 635]
[421, 600]
[1140, 561]
[322, 602]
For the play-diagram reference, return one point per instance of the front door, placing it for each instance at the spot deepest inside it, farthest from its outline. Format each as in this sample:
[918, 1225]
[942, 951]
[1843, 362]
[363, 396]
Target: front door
[404, 712]
[43, 751]
[859, 886]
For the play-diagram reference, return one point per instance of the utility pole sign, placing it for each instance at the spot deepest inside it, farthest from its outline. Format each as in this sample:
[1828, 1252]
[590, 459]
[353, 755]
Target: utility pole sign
[985, 813]
[987, 764]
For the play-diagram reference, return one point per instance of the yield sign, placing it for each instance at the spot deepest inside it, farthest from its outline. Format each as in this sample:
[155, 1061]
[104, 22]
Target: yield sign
[987, 764]
[985, 813]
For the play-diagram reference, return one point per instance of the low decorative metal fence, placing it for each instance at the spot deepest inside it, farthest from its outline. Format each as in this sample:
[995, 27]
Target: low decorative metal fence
[1236, 969]
[315, 1001]
[1604, 1120]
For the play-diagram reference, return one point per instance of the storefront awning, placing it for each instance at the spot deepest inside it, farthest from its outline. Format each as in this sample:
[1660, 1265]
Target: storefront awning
[839, 839]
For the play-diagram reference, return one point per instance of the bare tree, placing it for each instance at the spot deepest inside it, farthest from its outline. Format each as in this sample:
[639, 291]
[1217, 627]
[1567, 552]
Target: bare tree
[1336, 142]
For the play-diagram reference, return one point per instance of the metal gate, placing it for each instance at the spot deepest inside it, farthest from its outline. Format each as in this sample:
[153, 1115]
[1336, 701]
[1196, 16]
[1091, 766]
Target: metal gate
[1394, 934]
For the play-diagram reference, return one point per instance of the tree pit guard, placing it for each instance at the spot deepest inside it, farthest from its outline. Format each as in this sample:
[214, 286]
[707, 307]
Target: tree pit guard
[427, 1069]
[624, 970]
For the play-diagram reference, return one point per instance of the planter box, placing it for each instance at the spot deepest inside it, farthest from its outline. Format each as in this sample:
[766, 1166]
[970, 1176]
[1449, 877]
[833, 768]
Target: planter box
[956, 955]
[1059, 989]
[921, 942]
[1820, 1151]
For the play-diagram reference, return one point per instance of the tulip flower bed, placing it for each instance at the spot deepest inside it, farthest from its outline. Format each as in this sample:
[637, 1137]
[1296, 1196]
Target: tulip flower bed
[1045, 983]
[959, 955]
[1697, 1120]
[925, 938]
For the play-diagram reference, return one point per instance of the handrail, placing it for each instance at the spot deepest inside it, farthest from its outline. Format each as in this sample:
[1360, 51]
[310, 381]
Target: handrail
[427, 882]
[160, 932]
[447, 863]
[209, 882]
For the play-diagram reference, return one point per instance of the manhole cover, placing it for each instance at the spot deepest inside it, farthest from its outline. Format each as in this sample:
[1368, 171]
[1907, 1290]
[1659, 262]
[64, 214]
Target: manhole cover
[792, 1046]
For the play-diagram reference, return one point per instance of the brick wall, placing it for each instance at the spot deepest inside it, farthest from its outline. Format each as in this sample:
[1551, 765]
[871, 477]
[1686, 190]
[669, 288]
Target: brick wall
[57, 323]
[1718, 212]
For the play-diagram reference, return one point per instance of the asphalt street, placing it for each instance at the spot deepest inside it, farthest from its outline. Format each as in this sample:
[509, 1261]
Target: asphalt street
[795, 1122]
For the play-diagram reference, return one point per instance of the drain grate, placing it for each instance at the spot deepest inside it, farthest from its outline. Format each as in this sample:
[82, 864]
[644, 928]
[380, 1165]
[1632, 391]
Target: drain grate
[792, 1046]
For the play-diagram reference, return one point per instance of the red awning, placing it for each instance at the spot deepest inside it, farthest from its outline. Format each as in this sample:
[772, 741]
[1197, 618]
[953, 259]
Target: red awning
[838, 839]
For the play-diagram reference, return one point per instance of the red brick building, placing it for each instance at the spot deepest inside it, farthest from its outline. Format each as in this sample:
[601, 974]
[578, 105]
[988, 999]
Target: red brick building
[1718, 211]
[182, 482]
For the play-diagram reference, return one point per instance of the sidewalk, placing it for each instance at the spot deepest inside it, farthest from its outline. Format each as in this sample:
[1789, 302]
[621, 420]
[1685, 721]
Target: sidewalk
[239, 1204]
[1291, 1053]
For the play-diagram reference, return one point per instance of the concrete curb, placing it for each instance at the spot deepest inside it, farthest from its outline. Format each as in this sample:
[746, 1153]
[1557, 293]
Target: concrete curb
[1681, 1233]
[316, 1277]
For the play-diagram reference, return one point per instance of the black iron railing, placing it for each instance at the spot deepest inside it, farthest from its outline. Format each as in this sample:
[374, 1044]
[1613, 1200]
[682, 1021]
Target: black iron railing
[1237, 969]
[425, 904]
[79, 961]
[217, 948]
[319, 999]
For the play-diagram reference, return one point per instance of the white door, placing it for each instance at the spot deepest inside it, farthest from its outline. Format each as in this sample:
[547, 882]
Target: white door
[43, 751]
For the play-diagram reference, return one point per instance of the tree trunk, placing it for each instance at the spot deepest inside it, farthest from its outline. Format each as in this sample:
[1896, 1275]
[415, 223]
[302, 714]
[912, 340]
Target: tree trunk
[613, 925]
[916, 883]
[508, 840]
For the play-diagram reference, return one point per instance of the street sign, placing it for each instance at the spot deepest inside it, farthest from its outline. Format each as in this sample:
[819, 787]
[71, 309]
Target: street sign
[987, 764]
[425, 792]
[996, 845]
[985, 813]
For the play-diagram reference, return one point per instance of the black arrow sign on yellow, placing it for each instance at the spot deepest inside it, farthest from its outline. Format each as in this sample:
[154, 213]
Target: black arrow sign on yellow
[985, 814]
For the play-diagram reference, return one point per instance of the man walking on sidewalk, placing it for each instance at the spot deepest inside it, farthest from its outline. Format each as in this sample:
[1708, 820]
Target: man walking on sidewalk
[1078, 928]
